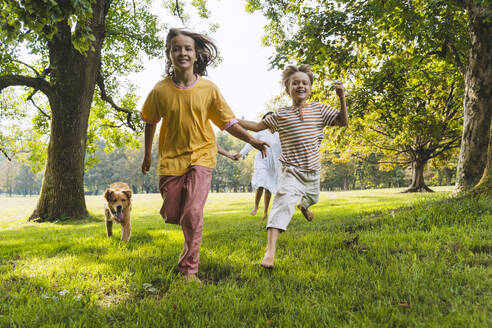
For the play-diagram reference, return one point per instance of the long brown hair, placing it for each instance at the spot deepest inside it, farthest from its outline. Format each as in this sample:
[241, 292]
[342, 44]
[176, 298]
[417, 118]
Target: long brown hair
[205, 48]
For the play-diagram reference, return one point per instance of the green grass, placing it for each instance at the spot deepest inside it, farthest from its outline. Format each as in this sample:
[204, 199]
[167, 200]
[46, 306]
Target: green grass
[418, 261]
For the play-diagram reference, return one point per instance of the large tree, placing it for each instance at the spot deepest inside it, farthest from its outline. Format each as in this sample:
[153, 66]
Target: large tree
[74, 46]
[484, 186]
[475, 155]
[337, 35]
[408, 111]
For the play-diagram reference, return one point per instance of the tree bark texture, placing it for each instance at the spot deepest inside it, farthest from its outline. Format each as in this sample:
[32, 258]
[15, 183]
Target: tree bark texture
[485, 184]
[449, 175]
[73, 82]
[478, 100]
[418, 182]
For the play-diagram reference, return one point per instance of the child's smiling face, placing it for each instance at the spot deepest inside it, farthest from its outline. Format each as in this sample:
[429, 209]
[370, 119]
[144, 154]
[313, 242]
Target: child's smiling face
[182, 52]
[299, 88]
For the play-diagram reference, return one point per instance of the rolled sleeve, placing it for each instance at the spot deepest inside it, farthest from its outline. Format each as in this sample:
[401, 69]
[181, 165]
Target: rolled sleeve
[229, 124]
[246, 149]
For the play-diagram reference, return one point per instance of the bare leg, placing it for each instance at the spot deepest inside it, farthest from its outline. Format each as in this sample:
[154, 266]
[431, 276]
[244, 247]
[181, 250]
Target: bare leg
[269, 257]
[259, 193]
[307, 213]
[109, 228]
[266, 199]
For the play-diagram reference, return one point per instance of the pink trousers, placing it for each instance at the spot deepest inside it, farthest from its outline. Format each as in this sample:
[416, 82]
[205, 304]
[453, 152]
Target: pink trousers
[183, 201]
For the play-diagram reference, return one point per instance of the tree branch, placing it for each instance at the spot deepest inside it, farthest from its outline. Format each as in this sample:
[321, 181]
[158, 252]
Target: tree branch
[32, 68]
[460, 3]
[445, 146]
[381, 132]
[21, 80]
[109, 100]
[457, 59]
[178, 11]
[32, 100]
[5, 154]
[382, 162]
[439, 53]
[398, 151]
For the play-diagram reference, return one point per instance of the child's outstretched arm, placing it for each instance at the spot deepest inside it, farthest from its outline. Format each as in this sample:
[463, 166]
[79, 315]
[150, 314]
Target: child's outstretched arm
[149, 137]
[342, 118]
[225, 153]
[237, 131]
[253, 126]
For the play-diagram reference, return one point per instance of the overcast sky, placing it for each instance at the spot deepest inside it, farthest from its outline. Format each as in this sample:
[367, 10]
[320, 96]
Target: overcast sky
[243, 76]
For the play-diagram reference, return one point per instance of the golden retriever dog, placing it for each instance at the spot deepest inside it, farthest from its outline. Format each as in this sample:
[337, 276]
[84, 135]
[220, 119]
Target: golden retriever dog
[118, 207]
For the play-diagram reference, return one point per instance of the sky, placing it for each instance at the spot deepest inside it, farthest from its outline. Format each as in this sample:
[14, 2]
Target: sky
[243, 77]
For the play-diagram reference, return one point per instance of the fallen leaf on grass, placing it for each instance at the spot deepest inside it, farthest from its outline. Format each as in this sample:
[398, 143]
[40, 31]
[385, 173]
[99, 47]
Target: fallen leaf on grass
[404, 304]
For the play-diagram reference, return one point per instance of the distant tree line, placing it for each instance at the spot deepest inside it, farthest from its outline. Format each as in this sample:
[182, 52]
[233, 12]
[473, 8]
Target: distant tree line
[123, 164]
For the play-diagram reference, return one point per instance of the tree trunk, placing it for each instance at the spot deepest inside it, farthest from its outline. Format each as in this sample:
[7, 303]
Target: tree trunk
[418, 183]
[478, 100]
[449, 175]
[74, 80]
[485, 184]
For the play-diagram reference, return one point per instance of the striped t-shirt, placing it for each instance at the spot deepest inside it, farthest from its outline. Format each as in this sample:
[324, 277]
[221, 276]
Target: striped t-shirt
[300, 140]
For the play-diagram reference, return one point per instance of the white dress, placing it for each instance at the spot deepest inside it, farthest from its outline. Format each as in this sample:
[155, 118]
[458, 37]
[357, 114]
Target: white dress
[266, 170]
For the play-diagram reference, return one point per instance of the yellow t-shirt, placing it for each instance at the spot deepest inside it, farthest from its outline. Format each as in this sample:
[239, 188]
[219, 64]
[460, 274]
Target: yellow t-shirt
[186, 137]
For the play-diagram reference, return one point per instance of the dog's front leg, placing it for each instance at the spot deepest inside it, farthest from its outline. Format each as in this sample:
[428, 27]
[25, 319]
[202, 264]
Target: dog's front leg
[125, 231]
[109, 228]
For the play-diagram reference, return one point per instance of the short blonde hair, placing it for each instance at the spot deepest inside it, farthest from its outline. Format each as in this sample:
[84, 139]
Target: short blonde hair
[292, 69]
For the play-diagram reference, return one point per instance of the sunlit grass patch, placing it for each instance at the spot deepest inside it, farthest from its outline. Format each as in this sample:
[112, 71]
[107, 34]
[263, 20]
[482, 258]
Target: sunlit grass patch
[370, 258]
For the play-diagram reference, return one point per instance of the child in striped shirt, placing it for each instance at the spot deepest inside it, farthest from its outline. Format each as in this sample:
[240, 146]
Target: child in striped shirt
[300, 127]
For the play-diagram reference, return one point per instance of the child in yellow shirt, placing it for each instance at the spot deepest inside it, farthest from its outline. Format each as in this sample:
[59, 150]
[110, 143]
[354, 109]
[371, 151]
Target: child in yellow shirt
[186, 103]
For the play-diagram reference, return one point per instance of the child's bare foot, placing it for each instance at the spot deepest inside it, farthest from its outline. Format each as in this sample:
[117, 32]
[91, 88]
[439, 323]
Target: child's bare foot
[307, 213]
[191, 278]
[253, 212]
[267, 261]
[265, 215]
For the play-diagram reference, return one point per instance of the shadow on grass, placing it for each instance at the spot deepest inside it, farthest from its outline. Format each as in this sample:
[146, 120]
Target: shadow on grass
[310, 261]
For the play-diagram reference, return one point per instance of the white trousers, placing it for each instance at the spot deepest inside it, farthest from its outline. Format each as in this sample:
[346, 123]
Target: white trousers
[295, 187]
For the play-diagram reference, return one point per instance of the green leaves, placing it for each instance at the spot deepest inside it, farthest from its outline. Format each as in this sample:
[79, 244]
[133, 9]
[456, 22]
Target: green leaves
[401, 61]
[42, 18]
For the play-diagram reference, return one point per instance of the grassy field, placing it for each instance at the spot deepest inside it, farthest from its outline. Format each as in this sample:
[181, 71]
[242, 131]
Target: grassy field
[375, 258]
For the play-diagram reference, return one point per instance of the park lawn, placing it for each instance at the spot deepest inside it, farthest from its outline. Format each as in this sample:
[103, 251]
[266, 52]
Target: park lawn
[374, 258]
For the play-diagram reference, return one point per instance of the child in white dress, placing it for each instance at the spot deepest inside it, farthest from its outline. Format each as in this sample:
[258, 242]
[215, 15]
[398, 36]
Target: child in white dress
[266, 172]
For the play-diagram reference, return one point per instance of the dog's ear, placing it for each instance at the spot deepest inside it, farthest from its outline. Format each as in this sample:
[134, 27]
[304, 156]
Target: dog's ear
[128, 194]
[107, 194]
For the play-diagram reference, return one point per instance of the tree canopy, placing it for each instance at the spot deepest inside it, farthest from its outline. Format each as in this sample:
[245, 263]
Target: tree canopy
[401, 44]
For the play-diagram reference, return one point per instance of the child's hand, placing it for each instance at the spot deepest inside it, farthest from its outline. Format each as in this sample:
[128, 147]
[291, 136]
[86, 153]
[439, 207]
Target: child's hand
[260, 145]
[146, 164]
[339, 88]
[236, 157]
